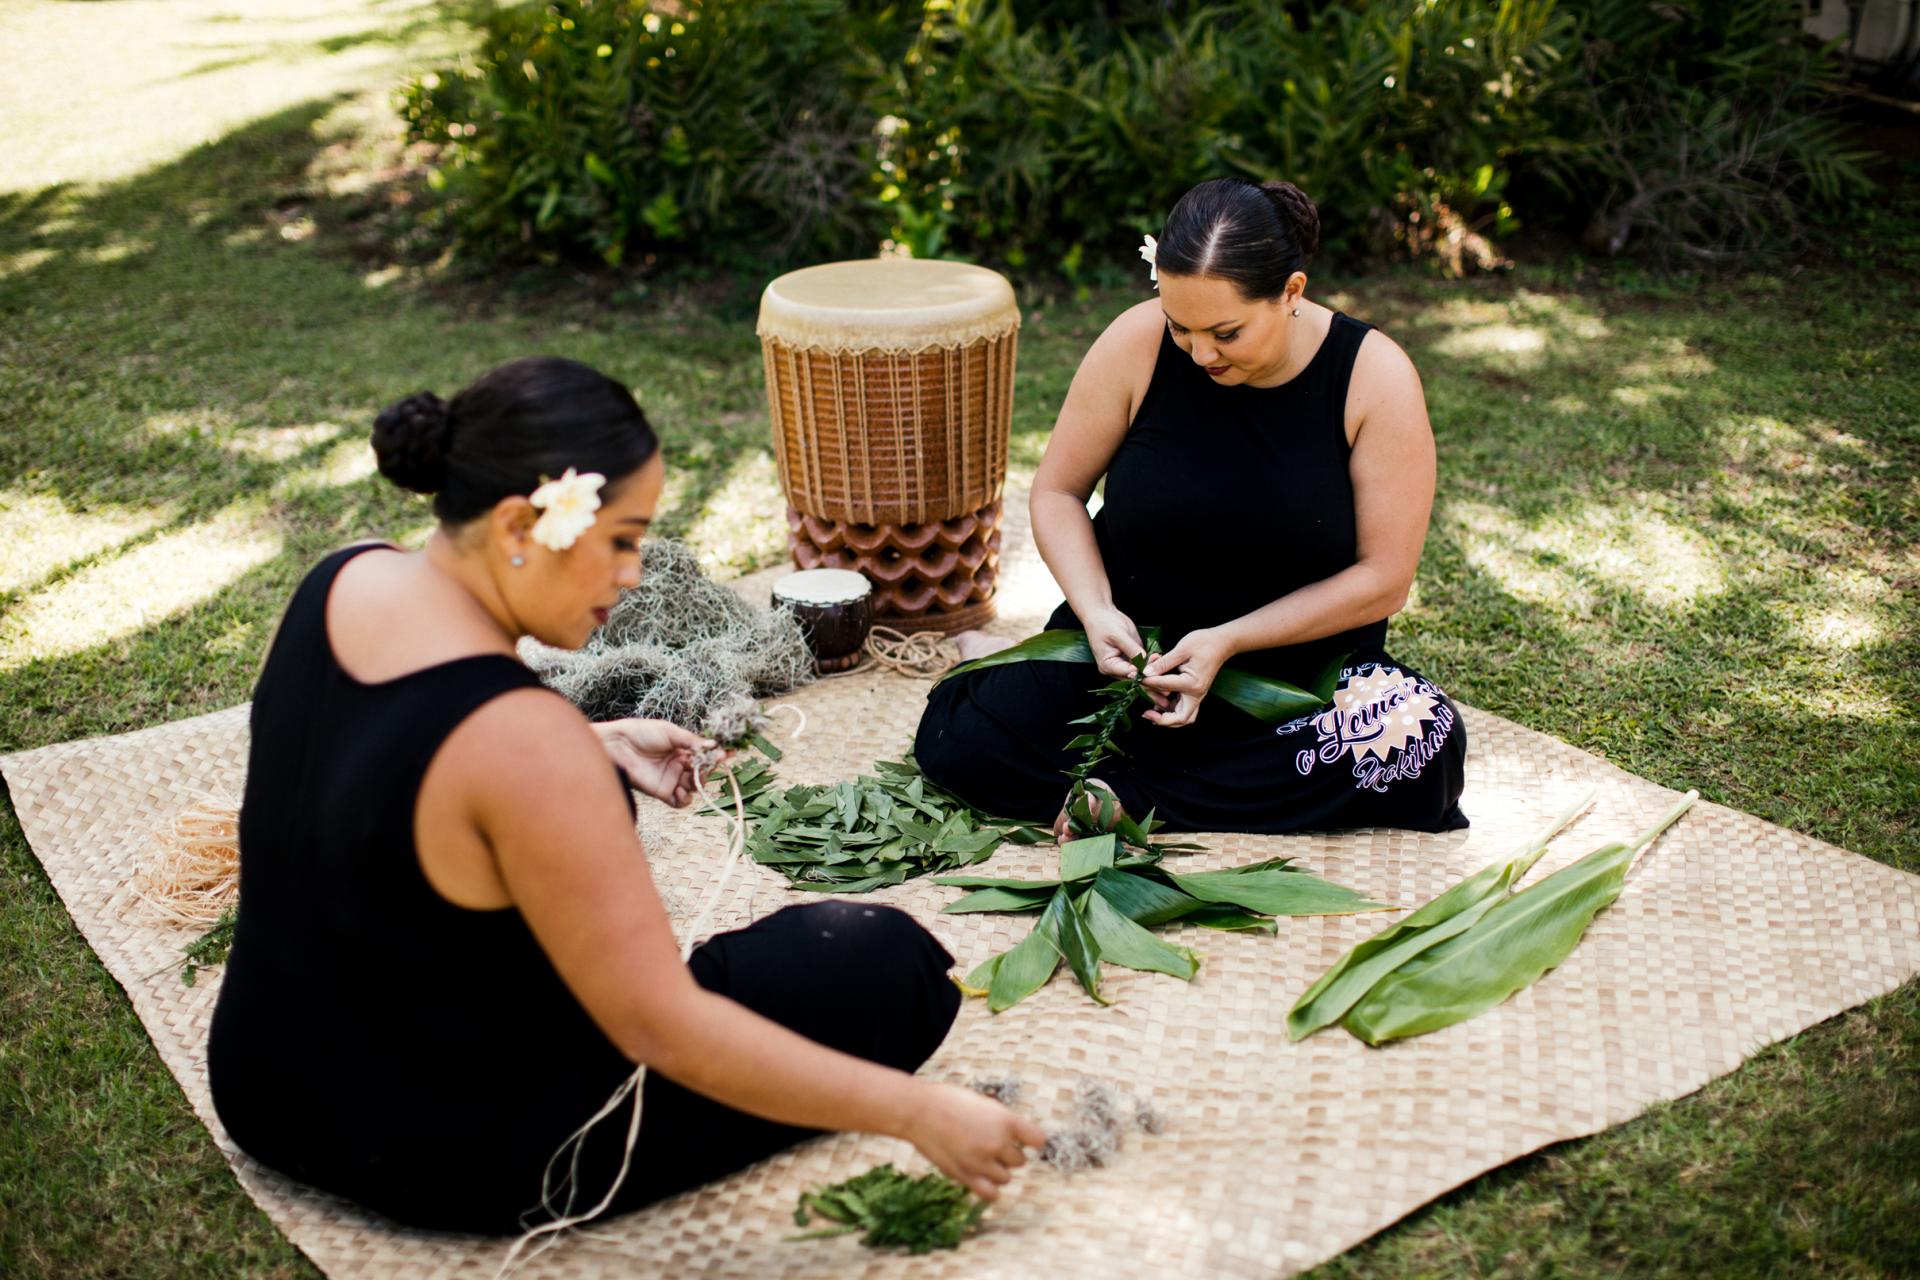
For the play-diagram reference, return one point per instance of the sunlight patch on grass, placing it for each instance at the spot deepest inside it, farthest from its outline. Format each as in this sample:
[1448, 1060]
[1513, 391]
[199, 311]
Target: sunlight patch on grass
[1841, 628]
[1639, 397]
[40, 534]
[348, 462]
[743, 525]
[147, 585]
[1519, 344]
[277, 444]
[19, 264]
[1671, 358]
[1635, 551]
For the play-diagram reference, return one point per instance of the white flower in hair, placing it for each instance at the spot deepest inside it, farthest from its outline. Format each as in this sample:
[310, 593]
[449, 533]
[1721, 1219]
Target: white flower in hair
[1150, 251]
[566, 508]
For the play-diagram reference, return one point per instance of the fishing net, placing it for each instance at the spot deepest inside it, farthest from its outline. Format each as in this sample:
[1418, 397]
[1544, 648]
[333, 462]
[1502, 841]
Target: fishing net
[674, 647]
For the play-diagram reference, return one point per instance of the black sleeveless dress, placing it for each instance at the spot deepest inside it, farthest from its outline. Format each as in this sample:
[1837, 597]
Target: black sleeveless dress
[1219, 501]
[379, 1042]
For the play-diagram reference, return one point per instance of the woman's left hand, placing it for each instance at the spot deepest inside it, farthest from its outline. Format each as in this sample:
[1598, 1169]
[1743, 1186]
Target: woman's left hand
[1184, 673]
[656, 755]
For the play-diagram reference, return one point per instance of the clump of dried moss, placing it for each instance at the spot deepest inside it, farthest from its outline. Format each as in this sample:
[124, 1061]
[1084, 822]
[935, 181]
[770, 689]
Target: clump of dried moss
[675, 647]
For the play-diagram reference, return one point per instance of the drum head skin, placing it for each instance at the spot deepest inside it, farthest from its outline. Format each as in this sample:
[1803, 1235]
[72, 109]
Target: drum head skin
[887, 305]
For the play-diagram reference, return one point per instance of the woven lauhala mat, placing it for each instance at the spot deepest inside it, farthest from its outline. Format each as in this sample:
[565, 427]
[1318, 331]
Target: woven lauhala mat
[1732, 934]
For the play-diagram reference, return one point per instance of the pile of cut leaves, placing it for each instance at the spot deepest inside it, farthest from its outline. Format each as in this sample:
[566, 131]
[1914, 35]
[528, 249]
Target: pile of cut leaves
[1104, 905]
[895, 1211]
[864, 834]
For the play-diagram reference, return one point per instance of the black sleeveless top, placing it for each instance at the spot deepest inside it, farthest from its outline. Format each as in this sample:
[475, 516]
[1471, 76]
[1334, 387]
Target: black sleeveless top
[1220, 500]
[371, 1037]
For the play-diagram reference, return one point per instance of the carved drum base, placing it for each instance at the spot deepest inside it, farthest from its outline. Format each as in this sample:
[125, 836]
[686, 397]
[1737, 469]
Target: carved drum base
[932, 576]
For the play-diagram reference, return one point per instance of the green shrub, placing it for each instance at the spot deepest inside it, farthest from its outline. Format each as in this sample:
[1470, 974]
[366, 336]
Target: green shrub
[1051, 133]
[1708, 130]
[611, 127]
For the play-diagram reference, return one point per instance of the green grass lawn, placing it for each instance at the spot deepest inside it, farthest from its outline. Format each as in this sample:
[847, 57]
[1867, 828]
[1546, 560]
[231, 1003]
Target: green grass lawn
[1676, 527]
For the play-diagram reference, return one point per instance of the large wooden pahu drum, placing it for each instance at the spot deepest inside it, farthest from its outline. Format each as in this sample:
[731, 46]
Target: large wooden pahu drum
[890, 389]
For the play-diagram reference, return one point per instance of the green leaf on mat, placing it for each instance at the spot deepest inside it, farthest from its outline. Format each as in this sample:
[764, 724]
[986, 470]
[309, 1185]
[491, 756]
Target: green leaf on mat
[1126, 943]
[1452, 912]
[1077, 943]
[995, 899]
[1143, 901]
[1081, 859]
[1027, 967]
[1507, 949]
[1272, 889]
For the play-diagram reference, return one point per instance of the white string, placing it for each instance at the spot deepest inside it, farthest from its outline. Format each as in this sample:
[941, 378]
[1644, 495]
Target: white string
[633, 1085]
[788, 706]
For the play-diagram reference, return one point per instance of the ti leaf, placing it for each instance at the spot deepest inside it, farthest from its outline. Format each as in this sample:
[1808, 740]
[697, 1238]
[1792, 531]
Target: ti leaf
[1081, 859]
[1028, 966]
[1145, 902]
[999, 900]
[1126, 943]
[1507, 949]
[1077, 943]
[1452, 912]
[1271, 888]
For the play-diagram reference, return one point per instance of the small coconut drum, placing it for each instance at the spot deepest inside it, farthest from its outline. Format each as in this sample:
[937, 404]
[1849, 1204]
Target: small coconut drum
[890, 389]
[835, 610]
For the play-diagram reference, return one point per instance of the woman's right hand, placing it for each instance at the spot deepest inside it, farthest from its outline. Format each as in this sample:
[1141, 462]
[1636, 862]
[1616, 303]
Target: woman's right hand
[1114, 640]
[971, 1138]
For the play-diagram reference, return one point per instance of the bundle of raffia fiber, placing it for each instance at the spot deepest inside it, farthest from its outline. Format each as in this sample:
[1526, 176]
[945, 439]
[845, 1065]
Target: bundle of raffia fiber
[675, 646]
[191, 873]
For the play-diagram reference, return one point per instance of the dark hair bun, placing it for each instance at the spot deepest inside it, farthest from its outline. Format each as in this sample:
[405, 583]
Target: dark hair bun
[410, 442]
[1298, 211]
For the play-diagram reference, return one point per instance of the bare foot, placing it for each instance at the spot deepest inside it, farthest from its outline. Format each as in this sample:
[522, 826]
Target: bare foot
[978, 644]
[1063, 824]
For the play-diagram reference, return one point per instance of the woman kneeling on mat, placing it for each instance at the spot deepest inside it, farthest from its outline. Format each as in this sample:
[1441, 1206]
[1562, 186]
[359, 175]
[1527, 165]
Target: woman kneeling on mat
[451, 952]
[1269, 473]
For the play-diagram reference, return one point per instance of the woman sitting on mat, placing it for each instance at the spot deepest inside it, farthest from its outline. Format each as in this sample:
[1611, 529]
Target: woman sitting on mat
[1269, 473]
[450, 951]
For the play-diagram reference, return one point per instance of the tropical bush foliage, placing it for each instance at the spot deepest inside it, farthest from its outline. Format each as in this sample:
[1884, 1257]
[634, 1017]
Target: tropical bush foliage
[1049, 132]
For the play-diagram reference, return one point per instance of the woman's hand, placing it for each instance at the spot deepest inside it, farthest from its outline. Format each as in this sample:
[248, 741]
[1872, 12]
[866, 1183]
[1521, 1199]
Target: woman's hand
[1114, 641]
[971, 1138]
[656, 755]
[1184, 673]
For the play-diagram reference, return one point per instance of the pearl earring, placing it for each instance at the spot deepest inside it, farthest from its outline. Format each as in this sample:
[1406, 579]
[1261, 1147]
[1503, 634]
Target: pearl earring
[1296, 311]
[519, 562]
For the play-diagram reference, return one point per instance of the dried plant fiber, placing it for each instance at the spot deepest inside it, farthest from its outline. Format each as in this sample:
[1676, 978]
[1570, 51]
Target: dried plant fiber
[1277, 1154]
[674, 647]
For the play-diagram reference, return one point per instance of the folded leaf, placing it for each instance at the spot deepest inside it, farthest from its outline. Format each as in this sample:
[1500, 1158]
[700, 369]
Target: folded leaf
[1452, 912]
[993, 882]
[1077, 942]
[1126, 943]
[1216, 915]
[1080, 859]
[998, 900]
[1274, 891]
[1027, 967]
[1518, 939]
[1146, 902]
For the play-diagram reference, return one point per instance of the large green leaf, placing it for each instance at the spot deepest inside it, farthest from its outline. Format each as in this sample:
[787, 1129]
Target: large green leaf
[1271, 889]
[1519, 938]
[1452, 912]
[1027, 967]
[998, 900]
[1126, 943]
[1077, 943]
[1146, 902]
[1081, 859]
[1262, 697]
